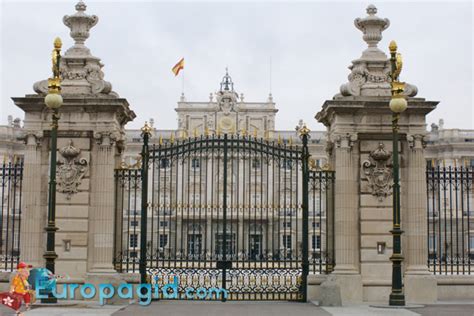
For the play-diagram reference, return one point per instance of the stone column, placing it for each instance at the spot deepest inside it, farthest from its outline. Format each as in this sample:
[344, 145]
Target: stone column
[420, 284]
[101, 218]
[415, 215]
[346, 216]
[34, 210]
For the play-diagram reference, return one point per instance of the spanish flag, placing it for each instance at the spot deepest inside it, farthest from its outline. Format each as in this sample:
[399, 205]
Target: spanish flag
[178, 67]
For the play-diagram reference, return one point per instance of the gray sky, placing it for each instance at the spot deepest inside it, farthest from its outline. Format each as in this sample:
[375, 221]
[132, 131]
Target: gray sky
[310, 44]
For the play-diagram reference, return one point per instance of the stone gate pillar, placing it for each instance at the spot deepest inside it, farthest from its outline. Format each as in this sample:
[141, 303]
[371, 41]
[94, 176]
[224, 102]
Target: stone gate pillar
[90, 141]
[358, 121]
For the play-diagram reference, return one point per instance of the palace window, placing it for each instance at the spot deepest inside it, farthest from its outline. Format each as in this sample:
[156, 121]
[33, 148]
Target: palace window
[432, 243]
[255, 163]
[164, 163]
[286, 224]
[287, 164]
[471, 242]
[133, 240]
[429, 163]
[163, 223]
[315, 206]
[316, 225]
[163, 241]
[287, 241]
[195, 163]
[316, 242]
[134, 223]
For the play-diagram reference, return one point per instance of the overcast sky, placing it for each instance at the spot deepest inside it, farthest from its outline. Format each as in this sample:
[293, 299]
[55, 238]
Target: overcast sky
[310, 45]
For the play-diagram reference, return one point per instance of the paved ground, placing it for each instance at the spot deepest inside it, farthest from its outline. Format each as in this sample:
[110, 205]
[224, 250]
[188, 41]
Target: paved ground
[457, 309]
[287, 309]
[223, 309]
[187, 308]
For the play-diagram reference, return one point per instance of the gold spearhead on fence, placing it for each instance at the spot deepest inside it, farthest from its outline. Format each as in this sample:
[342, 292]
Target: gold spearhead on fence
[304, 130]
[146, 129]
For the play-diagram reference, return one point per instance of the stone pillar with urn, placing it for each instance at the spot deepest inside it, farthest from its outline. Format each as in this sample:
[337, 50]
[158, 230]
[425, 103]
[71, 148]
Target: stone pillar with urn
[90, 142]
[359, 126]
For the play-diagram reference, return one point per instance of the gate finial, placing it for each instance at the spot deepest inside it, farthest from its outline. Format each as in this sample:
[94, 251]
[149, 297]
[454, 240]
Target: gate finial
[146, 129]
[304, 130]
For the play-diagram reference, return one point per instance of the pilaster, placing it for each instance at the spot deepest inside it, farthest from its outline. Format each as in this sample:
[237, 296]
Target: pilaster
[346, 215]
[34, 207]
[101, 218]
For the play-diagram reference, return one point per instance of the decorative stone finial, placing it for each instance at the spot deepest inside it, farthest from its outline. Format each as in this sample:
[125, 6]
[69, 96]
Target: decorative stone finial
[370, 74]
[270, 98]
[80, 23]
[81, 73]
[371, 9]
[372, 26]
[81, 6]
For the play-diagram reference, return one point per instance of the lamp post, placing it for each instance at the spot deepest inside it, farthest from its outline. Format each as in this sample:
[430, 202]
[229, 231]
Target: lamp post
[53, 101]
[398, 104]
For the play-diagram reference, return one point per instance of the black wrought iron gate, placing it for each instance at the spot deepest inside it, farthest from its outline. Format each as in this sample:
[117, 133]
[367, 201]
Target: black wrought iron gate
[218, 213]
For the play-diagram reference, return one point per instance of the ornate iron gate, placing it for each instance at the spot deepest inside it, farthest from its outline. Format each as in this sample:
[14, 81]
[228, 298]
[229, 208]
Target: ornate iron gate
[228, 212]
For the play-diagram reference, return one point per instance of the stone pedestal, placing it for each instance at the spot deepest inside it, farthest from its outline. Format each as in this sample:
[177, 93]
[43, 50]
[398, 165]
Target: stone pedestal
[85, 210]
[359, 140]
[363, 217]
[90, 142]
[421, 289]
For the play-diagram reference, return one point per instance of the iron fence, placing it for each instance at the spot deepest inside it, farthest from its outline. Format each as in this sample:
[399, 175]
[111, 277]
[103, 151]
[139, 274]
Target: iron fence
[450, 220]
[11, 175]
[321, 221]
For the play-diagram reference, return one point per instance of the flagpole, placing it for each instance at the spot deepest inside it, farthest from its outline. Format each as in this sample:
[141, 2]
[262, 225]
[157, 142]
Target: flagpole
[270, 74]
[182, 82]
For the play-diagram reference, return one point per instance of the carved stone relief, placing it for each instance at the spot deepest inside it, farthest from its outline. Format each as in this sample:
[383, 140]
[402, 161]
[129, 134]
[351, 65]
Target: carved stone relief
[71, 170]
[378, 170]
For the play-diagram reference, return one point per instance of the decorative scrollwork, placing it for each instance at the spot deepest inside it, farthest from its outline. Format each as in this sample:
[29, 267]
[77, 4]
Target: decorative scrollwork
[379, 173]
[71, 170]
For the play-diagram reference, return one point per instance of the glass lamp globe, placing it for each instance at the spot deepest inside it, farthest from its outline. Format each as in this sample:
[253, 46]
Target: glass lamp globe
[53, 101]
[398, 104]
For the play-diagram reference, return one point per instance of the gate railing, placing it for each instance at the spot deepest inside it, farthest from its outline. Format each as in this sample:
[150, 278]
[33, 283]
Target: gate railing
[450, 220]
[11, 176]
[321, 221]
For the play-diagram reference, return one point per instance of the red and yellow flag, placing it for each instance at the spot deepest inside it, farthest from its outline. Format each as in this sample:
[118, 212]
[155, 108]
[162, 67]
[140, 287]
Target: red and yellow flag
[180, 65]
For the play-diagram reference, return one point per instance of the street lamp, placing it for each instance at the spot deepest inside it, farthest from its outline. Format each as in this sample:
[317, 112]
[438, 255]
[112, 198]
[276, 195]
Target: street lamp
[53, 101]
[398, 104]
